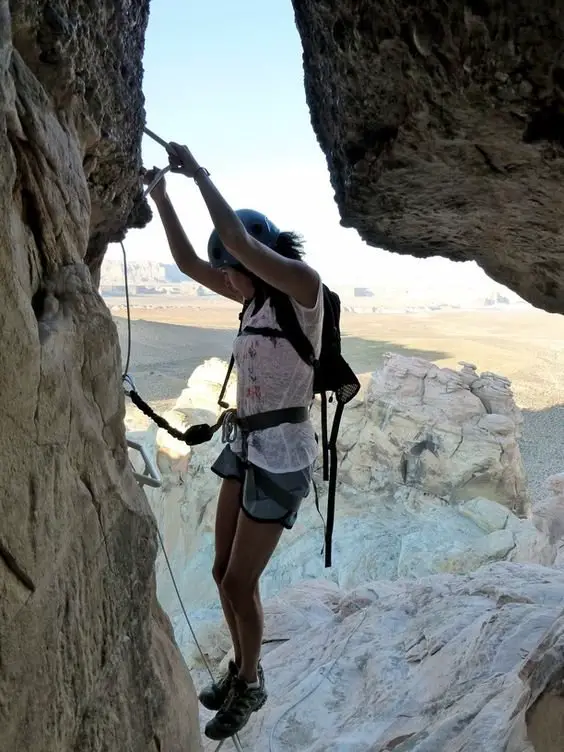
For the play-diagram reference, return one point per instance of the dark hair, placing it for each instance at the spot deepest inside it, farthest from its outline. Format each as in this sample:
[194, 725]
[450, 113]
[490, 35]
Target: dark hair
[291, 246]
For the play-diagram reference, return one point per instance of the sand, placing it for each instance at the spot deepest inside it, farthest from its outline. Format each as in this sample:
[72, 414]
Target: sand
[171, 338]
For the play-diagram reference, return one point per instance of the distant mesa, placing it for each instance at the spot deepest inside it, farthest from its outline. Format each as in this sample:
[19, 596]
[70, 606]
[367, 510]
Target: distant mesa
[173, 274]
[497, 299]
[363, 292]
[144, 278]
[386, 295]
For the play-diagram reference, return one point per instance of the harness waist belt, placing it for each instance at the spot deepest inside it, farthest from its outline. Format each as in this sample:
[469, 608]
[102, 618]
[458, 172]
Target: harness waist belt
[272, 418]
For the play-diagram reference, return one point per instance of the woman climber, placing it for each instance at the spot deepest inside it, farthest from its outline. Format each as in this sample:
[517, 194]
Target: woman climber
[266, 469]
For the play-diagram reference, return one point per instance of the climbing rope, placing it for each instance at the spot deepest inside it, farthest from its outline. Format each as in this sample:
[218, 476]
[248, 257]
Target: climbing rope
[194, 435]
[132, 394]
[324, 675]
[157, 179]
[235, 738]
[125, 375]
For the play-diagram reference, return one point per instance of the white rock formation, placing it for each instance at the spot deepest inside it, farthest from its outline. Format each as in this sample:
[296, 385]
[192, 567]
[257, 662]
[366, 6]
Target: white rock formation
[548, 516]
[466, 663]
[429, 476]
[446, 433]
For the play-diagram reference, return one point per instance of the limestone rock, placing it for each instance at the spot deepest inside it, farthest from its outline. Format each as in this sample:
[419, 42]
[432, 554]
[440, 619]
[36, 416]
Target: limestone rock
[442, 126]
[447, 663]
[87, 657]
[427, 428]
[89, 65]
[548, 515]
[449, 507]
[488, 515]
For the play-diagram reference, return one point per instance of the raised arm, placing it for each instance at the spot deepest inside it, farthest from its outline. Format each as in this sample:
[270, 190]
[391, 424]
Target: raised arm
[182, 249]
[295, 278]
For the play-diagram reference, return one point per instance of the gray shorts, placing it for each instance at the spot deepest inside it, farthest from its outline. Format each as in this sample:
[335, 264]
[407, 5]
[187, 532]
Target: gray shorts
[260, 486]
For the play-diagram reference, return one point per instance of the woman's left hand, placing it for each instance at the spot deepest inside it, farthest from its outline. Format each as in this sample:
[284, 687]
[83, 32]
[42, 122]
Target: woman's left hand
[181, 160]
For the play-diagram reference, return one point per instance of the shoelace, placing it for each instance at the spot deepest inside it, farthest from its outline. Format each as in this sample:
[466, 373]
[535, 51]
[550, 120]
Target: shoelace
[237, 692]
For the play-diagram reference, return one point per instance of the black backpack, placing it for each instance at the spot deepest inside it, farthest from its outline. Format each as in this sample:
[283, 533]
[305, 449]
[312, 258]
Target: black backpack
[332, 375]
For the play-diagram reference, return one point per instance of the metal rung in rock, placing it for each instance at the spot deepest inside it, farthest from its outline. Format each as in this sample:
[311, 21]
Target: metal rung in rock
[151, 475]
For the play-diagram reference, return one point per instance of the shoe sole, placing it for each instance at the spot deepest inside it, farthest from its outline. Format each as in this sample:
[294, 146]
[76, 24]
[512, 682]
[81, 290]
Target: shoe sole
[228, 736]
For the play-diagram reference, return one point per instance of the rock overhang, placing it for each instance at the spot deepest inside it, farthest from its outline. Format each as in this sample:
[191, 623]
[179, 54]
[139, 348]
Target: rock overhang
[443, 128]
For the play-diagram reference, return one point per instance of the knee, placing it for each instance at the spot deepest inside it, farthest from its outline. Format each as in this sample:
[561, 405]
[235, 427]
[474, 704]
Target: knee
[218, 572]
[237, 589]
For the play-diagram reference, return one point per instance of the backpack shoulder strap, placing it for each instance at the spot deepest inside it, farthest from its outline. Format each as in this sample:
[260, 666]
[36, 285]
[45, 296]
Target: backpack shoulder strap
[220, 401]
[332, 490]
[290, 326]
[332, 308]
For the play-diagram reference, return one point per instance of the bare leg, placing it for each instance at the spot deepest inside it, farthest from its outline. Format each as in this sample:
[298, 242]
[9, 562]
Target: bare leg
[253, 546]
[225, 527]
[254, 657]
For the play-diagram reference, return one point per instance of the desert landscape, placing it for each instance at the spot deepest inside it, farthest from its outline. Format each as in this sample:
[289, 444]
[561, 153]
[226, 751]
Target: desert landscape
[171, 339]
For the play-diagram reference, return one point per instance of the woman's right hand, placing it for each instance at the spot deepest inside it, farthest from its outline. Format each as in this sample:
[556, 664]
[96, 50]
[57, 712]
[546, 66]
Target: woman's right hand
[159, 191]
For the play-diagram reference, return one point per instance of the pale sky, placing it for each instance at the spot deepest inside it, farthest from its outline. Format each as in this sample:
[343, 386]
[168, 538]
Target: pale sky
[226, 79]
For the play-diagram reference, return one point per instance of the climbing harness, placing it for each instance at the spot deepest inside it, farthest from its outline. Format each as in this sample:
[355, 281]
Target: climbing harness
[332, 375]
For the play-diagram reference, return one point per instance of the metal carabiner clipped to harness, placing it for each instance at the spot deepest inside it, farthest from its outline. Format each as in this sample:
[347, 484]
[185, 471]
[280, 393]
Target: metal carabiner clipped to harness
[229, 426]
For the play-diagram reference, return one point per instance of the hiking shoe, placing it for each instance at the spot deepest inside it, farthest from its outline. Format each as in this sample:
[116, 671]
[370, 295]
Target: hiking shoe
[214, 695]
[235, 713]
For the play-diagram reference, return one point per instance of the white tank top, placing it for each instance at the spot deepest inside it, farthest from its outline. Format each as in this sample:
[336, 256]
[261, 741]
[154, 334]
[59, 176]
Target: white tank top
[271, 376]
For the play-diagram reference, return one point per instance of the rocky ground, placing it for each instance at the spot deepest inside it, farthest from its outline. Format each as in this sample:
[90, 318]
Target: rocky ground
[446, 662]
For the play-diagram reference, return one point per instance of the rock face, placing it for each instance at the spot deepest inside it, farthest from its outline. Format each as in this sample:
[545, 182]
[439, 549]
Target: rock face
[443, 129]
[83, 68]
[446, 664]
[548, 516]
[430, 480]
[87, 657]
[449, 434]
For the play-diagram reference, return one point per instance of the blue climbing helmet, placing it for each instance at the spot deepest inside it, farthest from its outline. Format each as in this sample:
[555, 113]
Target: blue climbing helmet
[256, 224]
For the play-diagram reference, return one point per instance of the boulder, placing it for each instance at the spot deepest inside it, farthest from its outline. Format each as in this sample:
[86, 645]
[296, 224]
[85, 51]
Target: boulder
[450, 434]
